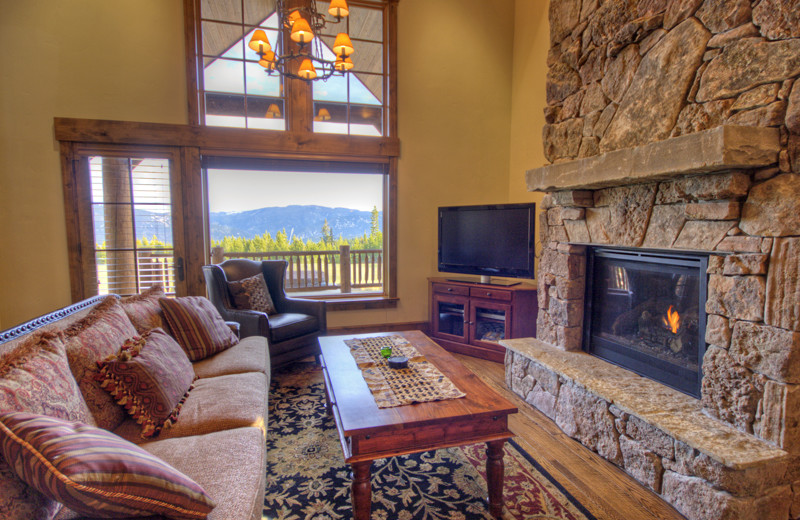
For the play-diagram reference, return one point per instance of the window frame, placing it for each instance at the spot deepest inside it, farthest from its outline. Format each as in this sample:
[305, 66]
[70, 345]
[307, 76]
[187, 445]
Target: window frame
[298, 97]
[189, 143]
[79, 215]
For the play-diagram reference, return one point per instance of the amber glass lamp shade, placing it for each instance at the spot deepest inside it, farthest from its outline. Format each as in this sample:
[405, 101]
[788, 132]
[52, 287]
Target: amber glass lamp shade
[268, 60]
[301, 31]
[273, 112]
[338, 8]
[259, 42]
[323, 115]
[343, 64]
[293, 17]
[342, 46]
[307, 70]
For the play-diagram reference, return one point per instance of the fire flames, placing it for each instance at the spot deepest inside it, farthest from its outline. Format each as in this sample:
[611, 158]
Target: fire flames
[672, 320]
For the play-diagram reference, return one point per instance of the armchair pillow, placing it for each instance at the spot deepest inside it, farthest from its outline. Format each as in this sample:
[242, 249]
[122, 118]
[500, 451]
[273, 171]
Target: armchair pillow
[98, 335]
[197, 326]
[151, 377]
[252, 294]
[96, 473]
[143, 309]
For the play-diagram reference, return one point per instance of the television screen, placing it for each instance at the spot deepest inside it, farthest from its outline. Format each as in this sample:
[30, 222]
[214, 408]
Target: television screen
[496, 240]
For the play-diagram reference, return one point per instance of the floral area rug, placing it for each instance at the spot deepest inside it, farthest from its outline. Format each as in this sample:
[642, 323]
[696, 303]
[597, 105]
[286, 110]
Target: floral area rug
[307, 478]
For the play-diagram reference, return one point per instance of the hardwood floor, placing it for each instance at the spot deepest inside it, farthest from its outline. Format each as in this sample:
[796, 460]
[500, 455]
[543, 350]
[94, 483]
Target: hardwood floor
[605, 490]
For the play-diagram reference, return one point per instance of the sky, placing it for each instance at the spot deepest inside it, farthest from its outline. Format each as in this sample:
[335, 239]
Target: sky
[242, 190]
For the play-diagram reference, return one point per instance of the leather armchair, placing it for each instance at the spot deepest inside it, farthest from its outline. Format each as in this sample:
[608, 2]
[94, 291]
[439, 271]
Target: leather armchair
[292, 331]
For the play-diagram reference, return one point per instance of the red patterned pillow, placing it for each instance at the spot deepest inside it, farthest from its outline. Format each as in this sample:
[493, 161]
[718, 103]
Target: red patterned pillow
[36, 378]
[252, 293]
[95, 337]
[96, 473]
[143, 309]
[197, 326]
[151, 377]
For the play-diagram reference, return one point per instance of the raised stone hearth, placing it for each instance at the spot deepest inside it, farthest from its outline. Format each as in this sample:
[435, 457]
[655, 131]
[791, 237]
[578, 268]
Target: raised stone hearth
[659, 435]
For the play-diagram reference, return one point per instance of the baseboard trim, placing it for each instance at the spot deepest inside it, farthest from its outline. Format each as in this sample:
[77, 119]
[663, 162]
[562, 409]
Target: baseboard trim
[380, 327]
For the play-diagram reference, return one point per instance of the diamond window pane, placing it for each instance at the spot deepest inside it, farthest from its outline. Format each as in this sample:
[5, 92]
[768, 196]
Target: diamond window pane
[366, 120]
[224, 76]
[366, 89]
[366, 24]
[222, 39]
[259, 82]
[368, 57]
[332, 89]
[224, 10]
[256, 11]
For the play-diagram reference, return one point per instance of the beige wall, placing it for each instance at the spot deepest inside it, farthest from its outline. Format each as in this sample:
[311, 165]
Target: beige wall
[528, 100]
[111, 60]
[83, 58]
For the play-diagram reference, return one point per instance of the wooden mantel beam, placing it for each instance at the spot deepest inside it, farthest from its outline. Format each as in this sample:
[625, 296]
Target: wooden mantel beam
[715, 150]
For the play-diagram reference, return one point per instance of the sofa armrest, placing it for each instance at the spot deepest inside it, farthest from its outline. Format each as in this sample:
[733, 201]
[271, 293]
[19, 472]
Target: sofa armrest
[234, 326]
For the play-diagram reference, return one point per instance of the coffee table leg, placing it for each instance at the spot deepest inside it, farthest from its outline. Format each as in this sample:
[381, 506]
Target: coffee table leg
[494, 476]
[360, 491]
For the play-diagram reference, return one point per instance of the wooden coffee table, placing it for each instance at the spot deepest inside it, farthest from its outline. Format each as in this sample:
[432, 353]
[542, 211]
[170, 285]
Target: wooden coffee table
[367, 432]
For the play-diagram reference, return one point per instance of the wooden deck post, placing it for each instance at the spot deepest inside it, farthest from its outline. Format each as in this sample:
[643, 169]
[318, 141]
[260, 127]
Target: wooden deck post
[217, 255]
[344, 268]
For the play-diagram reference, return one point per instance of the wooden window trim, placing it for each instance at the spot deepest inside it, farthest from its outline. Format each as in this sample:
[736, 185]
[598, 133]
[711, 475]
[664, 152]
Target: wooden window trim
[189, 143]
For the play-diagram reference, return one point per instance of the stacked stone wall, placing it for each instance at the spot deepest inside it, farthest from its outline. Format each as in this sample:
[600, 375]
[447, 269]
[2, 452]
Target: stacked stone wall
[623, 73]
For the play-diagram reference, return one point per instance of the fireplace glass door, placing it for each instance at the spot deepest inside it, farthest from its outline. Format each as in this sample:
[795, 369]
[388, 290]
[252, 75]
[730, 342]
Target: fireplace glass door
[646, 312]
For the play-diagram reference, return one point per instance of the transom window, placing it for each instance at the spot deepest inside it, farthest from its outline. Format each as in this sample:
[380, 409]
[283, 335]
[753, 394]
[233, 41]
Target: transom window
[234, 90]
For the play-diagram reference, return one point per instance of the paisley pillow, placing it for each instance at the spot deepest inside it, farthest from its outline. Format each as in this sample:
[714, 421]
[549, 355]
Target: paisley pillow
[151, 377]
[98, 335]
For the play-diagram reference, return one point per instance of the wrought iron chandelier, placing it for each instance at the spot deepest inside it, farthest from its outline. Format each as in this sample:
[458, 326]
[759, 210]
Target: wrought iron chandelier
[305, 60]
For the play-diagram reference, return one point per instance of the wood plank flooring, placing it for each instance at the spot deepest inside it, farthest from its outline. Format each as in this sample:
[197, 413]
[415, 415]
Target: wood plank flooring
[605, 490]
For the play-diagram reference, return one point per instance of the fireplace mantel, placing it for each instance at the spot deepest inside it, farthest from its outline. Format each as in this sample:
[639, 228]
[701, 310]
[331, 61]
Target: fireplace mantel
[719, 149]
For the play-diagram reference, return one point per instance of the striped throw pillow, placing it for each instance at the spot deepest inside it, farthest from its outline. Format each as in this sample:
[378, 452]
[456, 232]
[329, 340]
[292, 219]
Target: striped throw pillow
[151, 378]
[96, 473]
[197, 326]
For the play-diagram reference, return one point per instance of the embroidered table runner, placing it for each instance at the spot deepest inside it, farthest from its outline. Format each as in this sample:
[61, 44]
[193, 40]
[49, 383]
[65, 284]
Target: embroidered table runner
[418, 383]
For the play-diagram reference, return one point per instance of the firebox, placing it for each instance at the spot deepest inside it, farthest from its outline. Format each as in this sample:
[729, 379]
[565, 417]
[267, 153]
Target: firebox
[645, 311]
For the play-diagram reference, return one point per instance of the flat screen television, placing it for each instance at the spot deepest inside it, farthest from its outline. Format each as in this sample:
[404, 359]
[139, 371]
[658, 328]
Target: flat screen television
[490, 240]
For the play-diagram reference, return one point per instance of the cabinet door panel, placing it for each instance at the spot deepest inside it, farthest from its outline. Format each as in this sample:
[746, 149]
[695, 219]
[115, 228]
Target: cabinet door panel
[489, 323]
[448, 316]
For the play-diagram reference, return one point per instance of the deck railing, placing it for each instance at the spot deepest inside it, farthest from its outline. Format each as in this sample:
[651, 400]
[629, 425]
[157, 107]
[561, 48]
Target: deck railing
[344, 269]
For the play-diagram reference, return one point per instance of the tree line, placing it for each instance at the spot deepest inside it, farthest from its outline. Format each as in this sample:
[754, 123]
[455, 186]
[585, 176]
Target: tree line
[281, 241]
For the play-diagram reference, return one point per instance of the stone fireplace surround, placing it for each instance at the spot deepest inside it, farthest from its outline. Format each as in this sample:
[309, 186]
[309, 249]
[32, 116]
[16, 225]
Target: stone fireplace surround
[735, 453]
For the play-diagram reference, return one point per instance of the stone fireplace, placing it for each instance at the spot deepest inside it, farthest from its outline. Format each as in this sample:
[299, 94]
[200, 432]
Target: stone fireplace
[673, 130]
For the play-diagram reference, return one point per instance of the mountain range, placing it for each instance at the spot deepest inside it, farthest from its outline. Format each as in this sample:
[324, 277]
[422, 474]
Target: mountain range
[303, 221]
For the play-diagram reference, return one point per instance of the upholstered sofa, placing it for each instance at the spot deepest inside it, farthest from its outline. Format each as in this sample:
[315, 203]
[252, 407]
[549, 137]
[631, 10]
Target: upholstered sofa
[217, 440]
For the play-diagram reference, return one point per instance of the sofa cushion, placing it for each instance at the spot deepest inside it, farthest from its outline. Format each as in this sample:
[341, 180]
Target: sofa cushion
[229, 465]
[151, 377]
[94, 472]
[143, 309]
[36, 378]
[252, 293]
[290, 325]
[197, 326]
[251, 354]
[215, 404]
[99, 335]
